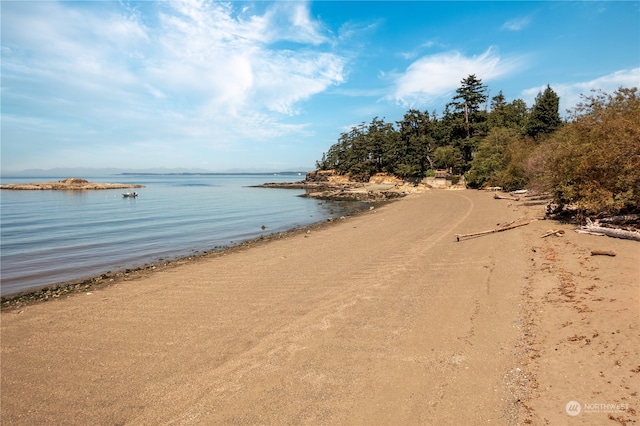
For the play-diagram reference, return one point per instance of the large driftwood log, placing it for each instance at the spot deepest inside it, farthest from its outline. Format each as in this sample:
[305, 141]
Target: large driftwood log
[594, 228]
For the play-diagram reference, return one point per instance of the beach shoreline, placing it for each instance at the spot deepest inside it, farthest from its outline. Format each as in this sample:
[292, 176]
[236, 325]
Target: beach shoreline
[85, 283]
[382, 317]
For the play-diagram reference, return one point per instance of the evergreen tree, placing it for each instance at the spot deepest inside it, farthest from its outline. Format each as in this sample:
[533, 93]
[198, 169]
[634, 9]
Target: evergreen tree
[498, 102]
[362, 151]
[465, 119]
[510, 115]
[516, 115]
[545, 117]
[381, 139]
[471, 94]
[414, 144]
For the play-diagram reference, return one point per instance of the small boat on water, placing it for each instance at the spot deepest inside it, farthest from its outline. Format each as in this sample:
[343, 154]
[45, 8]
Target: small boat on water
[130, 194]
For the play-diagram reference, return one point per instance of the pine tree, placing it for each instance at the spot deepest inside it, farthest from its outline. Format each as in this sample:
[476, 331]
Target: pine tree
[471, 94]
[544, 118]
[498, 102]
[414, 144]
[464, 112]
[510, 115]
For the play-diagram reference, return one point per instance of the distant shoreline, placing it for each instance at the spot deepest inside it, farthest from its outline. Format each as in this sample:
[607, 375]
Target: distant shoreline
[212, 174]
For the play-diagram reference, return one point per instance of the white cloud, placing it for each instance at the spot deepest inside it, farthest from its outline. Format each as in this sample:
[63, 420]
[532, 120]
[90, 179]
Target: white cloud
[196, 71]
[435, 76]
[569, 93]
[229, 60]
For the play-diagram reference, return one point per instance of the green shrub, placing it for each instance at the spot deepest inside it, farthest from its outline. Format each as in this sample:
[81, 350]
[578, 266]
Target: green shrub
[492, 158]
[593, 162]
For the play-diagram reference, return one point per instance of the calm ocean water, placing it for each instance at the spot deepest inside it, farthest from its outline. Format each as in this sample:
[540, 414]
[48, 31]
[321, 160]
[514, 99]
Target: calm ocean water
[48, 237]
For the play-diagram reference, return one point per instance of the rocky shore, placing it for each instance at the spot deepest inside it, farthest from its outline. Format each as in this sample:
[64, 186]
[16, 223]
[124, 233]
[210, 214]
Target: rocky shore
[328, 185]
[69, 184]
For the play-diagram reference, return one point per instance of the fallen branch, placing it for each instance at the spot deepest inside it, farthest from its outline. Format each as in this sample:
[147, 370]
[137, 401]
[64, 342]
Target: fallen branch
[556, 232]
[602, 253]
[491, 231]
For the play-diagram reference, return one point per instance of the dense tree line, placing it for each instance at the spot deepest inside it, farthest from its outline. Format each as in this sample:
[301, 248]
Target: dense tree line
[421, 141]
[590, 160]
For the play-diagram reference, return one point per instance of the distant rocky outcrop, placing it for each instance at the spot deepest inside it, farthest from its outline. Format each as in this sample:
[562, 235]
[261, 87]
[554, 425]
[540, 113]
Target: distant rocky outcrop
[69, 184]
[329, 185]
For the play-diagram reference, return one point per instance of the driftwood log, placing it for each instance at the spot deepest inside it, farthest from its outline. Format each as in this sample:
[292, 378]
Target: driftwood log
[500, 197]
[491, 231]
[556, 232]
[594, 228]
[603, 253]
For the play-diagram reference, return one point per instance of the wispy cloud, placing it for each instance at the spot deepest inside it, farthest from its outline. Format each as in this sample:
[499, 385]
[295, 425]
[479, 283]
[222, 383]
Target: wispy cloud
[291, 21]
[435, 76]
[416, 52]
[570, 93]
[517, 24]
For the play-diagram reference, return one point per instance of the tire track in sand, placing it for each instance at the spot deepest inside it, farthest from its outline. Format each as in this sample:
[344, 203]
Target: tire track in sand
[379, 266]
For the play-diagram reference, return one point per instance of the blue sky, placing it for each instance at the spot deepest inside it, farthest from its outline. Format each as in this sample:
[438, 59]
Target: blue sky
[271, 85]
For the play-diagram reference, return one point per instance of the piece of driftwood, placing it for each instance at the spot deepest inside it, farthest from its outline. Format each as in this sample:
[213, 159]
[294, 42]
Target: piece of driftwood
[498, 197]
[602, 253]
[594, 228]
[491, 231]
[556, 232]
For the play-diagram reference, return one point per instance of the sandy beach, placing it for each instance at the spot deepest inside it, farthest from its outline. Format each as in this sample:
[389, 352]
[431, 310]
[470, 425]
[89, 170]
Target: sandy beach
[382, 318]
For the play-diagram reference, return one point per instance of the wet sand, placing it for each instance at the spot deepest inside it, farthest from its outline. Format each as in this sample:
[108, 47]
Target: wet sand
[381, 318]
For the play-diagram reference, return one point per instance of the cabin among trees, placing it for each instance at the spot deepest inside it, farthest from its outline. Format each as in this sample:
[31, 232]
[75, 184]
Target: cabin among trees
[495, 143]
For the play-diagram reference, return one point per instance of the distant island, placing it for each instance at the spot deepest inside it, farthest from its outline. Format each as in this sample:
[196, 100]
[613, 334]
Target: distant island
[73, 184]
